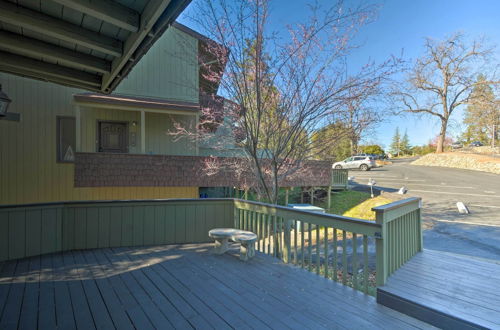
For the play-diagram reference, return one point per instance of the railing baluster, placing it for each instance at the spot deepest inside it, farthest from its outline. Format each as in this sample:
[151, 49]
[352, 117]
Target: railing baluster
[302, 242]
[344, 258]
[295, 256]
[318, 255]
[365, 263]
[309, 247]
[259, 234]
[354, 261]
[275, 237]
[268, 224]
[335, 254]
[325, 262]
[280, 238]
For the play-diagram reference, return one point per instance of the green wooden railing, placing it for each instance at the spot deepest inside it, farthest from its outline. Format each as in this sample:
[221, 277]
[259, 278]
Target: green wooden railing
[334, 246]
[30, 230]
[401, 235]
[340, 178]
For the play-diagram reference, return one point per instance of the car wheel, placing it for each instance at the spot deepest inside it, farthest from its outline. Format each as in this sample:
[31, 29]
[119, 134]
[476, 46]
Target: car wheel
[338, 167]
[363, 167]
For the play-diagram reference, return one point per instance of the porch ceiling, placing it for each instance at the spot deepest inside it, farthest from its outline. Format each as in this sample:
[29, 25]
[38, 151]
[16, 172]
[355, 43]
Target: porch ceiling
[81, 43]
[125, 102]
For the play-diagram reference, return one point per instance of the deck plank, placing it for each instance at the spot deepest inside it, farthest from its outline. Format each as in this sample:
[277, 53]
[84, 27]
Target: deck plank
[12, 308]
[97, 306]
[446, 289]
[117, 312]
[29, 309]
[83, 316]
[47, 308]
[163, 305]
[179, 286]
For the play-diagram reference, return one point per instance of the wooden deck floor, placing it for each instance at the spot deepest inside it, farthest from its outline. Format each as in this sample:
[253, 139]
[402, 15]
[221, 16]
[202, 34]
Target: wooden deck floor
[181, 286]
[448, 290]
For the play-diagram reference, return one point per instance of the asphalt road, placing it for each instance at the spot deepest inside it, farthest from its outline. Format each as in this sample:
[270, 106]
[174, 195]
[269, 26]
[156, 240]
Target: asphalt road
[476, 234]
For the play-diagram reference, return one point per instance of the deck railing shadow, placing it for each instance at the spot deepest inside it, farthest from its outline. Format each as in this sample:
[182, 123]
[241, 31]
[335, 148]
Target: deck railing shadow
[354, 252]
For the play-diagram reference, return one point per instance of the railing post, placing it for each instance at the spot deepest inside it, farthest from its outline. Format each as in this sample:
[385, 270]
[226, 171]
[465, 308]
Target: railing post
[382, 266]
[421, 238]
[236, 215]
[287, 241]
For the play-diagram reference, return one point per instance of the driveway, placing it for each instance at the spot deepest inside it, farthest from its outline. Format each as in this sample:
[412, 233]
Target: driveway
[476, 234]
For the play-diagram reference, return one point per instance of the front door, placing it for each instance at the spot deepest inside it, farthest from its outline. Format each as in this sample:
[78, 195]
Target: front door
[112, 137]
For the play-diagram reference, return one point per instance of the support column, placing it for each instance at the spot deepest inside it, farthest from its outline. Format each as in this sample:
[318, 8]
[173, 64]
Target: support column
[286, 196]
[78, 129]
[143, 132]
[312, 196]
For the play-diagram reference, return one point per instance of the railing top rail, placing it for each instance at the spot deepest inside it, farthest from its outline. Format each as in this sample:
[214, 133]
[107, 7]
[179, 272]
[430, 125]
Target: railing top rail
[313, 214]
[397, 204]
[121, 201]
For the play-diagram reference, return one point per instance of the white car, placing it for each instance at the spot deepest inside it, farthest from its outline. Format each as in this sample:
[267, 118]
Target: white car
[363, 163]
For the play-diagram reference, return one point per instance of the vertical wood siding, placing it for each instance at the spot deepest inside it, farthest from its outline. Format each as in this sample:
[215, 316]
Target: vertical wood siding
[29, 172]
[169, 70]
[35, 230]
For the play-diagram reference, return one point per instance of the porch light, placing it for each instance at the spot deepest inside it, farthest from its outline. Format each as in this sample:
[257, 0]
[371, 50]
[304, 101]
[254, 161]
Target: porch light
[4, 102]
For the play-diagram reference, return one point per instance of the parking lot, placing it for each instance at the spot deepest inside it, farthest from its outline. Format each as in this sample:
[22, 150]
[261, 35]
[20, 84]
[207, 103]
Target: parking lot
[476, 234]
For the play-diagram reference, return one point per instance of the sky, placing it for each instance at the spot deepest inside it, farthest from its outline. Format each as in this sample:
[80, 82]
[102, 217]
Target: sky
[401, 26]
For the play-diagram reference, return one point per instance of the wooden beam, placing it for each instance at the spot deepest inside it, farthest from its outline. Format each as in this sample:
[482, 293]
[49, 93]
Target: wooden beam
[48, 70]
[149, 16]
[42, 77]
[106, 10]
[57, 28]
[18, 44]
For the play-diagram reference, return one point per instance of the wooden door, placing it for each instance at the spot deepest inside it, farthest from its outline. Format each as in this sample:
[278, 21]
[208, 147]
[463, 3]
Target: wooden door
[113, 137]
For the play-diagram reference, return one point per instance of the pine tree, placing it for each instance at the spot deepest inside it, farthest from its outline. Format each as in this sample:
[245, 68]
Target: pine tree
[405, 144]
[396, 142]
[482, 115]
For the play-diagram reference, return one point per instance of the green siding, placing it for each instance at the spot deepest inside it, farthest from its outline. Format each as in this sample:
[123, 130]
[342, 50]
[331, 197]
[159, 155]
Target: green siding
[29, 171]
[169, 70]
[34, 230]
[158, 139]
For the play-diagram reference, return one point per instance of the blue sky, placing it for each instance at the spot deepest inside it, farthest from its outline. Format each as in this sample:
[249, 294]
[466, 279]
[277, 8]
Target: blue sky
[403, 25]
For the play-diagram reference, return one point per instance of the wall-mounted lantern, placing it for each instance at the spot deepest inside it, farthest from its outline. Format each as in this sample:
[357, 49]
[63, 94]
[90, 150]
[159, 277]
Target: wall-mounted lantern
[4, 105]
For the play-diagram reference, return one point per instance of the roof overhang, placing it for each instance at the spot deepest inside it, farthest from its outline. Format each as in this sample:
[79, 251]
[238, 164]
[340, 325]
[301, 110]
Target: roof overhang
[81, 43]
[134, 103]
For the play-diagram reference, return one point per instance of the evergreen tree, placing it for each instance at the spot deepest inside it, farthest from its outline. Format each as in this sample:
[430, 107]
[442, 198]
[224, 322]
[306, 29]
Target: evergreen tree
[396, 142]
[482, 115]
[405, 144]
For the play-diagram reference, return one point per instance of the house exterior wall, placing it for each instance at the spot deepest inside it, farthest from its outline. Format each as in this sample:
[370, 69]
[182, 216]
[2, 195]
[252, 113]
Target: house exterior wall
[169, 70]
[29, 172]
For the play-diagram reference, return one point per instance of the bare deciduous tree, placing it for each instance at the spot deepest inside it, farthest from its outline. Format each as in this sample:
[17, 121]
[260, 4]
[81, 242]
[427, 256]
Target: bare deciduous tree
[285, 85]
[443, 78]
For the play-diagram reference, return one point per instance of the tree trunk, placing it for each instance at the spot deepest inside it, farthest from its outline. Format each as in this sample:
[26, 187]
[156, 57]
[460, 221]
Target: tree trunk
[442, 136]
[493, 135]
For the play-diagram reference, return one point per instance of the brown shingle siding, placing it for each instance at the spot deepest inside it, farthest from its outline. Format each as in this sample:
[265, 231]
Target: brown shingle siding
[131, 170]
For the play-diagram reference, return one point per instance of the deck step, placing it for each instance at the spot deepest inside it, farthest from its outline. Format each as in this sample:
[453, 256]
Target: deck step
[446, 290]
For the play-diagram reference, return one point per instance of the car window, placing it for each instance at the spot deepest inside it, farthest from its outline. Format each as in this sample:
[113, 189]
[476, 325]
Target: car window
[348, 159]
[359, 158]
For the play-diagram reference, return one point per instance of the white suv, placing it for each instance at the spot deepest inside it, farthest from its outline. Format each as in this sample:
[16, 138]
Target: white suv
[364, 163]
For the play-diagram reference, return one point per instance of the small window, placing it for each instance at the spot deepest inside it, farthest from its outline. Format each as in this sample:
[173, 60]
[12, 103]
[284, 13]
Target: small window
[66, 139]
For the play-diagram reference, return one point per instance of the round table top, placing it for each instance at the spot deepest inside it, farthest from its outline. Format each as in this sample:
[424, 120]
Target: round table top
[236, 235]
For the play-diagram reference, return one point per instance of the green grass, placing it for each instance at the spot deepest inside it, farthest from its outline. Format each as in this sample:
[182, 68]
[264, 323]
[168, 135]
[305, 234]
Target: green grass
[343, 201]
[354, 204]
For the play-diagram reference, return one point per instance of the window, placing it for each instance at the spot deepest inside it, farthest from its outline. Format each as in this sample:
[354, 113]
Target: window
[66, 139]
